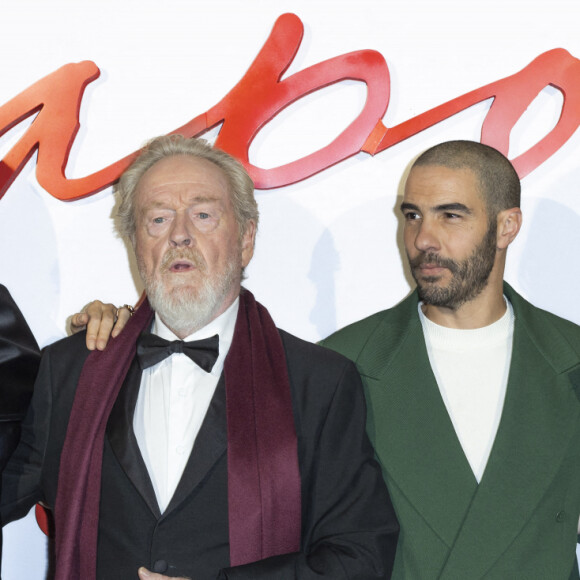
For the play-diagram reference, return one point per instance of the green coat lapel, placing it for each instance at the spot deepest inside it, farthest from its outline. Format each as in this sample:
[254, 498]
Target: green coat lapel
[540, 415]
[413, 435]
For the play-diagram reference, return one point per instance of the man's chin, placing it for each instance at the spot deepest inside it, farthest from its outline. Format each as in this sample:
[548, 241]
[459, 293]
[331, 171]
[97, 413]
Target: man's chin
[182, 290]
[433, 293]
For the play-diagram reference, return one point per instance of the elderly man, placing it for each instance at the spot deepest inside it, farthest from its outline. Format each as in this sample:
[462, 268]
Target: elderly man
[203, 442]
[473, 393]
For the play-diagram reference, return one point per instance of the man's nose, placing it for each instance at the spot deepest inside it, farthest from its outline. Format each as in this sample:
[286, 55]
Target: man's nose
[181, 232]
[427, 239]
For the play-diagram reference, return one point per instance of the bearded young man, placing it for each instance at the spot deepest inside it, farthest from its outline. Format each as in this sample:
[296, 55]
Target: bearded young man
[473, 393]
[248, 461]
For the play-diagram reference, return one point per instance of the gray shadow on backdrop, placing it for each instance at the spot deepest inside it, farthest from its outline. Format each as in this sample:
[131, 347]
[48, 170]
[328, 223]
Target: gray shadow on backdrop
[547, 272]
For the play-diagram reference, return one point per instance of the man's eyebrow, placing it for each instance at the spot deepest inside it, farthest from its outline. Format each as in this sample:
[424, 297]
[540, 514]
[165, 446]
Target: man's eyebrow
[155, 204]
[446, 207]
[204, 198]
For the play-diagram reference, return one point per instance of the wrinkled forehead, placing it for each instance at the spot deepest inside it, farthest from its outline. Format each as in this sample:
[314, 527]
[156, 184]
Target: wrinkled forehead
[182, 175]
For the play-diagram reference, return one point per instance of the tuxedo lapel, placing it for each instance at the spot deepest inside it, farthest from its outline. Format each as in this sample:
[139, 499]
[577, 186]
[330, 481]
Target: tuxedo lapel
[210, 444]
[540, 415]
[123, 441]
[412, 433]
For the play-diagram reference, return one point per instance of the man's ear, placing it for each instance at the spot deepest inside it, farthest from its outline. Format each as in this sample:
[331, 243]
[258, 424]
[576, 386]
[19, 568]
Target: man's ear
[248, 240]
[509, 222]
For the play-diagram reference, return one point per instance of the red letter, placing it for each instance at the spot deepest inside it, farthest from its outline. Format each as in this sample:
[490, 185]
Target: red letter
[261, 95]
[57, 98]
[512, 96]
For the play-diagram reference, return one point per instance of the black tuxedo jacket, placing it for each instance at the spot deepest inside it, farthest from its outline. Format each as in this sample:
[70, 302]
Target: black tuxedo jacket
[348, 525]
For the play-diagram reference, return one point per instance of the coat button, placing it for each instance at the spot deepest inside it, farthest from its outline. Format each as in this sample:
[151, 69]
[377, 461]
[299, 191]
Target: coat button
[560, 516]
[160, 566]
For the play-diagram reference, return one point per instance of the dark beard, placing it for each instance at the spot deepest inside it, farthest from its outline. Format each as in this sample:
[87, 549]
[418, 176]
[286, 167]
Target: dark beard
[469, 276]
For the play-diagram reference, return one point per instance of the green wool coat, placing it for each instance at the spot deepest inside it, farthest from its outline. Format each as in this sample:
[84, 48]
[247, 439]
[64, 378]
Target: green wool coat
[521, 521]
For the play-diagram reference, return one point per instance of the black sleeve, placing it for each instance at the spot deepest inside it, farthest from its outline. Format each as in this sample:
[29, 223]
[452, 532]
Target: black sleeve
[19, 360]
[21, 479]
[31, 474]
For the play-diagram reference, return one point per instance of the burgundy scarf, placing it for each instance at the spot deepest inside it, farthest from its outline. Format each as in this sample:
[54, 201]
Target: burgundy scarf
[263, 476]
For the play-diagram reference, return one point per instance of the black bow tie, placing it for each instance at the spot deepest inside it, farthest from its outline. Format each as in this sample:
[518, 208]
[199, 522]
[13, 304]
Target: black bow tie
[152, 349]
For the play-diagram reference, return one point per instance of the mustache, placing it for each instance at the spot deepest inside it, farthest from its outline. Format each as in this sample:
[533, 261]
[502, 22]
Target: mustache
[190, 254]
[433, 260]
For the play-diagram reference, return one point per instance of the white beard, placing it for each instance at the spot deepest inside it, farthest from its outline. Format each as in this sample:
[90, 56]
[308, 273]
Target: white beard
[183, 310]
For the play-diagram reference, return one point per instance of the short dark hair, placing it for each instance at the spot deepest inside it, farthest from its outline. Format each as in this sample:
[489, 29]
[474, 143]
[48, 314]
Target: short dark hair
[499, 183]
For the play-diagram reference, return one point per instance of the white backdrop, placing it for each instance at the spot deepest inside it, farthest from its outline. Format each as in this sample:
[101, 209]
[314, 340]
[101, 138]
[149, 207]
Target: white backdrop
[328, 250]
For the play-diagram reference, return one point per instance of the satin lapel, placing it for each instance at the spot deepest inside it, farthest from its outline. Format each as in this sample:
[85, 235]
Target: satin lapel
[122, 438]
[410, 427]
[541, 412]
[210, 444]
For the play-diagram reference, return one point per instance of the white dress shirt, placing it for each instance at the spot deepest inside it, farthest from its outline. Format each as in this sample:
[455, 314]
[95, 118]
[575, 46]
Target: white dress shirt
[173, 400]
